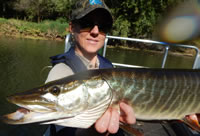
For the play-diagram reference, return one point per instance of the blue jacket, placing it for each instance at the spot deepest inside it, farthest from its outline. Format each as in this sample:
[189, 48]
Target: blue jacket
[74, 62]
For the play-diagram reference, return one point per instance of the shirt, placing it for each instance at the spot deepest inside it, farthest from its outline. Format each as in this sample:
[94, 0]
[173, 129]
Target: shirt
[61, 70]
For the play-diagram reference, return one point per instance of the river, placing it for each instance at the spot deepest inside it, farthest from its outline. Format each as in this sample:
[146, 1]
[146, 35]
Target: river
[22, 63]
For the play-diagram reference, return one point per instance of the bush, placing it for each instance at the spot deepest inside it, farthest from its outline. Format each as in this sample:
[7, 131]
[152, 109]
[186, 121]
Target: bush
[52, 29]
[3, 20]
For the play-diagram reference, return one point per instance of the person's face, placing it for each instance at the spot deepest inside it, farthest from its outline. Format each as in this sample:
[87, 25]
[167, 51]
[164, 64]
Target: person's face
[90, 33]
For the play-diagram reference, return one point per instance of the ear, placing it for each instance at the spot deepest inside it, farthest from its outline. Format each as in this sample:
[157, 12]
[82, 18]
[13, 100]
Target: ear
[71, 27]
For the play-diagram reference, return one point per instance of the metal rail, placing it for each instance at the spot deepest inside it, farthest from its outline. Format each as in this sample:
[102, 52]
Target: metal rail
[167, 46]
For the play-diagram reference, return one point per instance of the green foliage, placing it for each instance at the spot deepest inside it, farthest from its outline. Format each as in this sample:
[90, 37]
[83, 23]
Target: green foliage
[3, 21]
[132, 18]
[54, 26]
[137, 17]
[63, 7]
[35, 8]
[47, 28]
[61, 20]
[41, 9]
[121, 27]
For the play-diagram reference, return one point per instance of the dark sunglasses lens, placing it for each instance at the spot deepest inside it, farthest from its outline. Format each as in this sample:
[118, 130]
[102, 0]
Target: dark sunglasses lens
[103, 28]
[84, 25]
[87, 26]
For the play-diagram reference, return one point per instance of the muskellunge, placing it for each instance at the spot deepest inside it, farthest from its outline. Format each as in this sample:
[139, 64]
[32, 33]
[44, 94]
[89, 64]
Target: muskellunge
[79, 100]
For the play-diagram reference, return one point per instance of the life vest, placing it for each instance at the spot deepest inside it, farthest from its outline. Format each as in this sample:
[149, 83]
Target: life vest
[75, 63]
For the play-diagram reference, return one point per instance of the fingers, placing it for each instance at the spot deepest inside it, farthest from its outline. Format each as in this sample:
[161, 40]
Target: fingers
[102, 123]
[126, 113]
[110, 119]
[114, 121]
[108, 122]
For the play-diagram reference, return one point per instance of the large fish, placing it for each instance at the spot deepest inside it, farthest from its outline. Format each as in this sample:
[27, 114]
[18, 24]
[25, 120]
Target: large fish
[79, 100]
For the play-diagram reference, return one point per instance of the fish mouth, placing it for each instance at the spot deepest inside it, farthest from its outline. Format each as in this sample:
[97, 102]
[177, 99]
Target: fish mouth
[32, 109]
[15, 116]
[23, 110]
[25, 116]
[33, 103]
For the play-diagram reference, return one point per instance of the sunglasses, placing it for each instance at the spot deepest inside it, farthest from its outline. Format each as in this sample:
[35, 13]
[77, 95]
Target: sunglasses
[86, 26]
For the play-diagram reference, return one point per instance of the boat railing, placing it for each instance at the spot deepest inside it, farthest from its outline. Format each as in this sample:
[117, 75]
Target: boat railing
[196, 63]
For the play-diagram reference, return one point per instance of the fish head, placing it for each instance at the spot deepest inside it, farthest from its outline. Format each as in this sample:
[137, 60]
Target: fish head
[54, 97]
[34, 99]
[66, 102]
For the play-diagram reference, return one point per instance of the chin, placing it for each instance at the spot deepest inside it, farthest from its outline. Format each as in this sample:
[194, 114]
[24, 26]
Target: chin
[92, 50]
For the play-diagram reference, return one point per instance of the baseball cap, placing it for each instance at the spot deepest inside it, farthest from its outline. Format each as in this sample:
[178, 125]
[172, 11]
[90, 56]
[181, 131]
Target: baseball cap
[84, 7]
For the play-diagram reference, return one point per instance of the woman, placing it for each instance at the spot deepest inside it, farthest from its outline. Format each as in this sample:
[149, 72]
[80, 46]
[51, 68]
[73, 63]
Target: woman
[90, 21]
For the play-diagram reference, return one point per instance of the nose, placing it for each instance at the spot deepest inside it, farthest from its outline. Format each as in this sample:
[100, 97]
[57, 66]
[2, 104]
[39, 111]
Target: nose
[95, 30]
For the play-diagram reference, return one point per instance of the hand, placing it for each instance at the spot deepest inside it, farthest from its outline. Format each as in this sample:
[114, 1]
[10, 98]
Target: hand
[110, 119]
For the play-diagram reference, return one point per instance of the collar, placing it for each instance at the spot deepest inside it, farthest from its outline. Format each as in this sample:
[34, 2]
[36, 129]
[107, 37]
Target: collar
[87, 62]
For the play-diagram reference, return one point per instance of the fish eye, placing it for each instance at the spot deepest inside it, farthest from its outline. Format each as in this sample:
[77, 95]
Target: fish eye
[55, 90]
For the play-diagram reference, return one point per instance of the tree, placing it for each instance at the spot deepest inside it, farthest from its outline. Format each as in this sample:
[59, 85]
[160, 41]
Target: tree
[137, 18]
[64, 7]
[133, 18]
[35, 8]
[6, 8]
[45, 8]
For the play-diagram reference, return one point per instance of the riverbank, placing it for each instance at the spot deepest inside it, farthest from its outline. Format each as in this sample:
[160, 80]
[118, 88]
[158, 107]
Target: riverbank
[57, 30]
[46, 30]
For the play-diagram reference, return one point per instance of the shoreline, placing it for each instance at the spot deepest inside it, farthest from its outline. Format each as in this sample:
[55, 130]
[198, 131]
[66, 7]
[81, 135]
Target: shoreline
[57, 31]
[31, 37]
[46, 30]
[186, 54]
[176, 53]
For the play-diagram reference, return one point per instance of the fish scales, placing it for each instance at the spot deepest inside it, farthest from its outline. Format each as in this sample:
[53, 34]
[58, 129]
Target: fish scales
[189, 97]
[154, 94]
[172, 90]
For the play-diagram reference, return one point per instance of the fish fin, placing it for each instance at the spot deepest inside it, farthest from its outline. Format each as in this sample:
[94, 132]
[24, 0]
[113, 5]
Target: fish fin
[85, 119]
[192, 121]
[130, 129]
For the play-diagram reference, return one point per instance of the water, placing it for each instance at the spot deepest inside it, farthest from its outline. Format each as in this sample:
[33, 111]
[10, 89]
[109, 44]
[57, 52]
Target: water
[22, 61]
[148, 59]
[21, 64]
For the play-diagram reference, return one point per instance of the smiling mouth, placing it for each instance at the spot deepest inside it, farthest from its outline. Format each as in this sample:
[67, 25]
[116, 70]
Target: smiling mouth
[92, 41]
